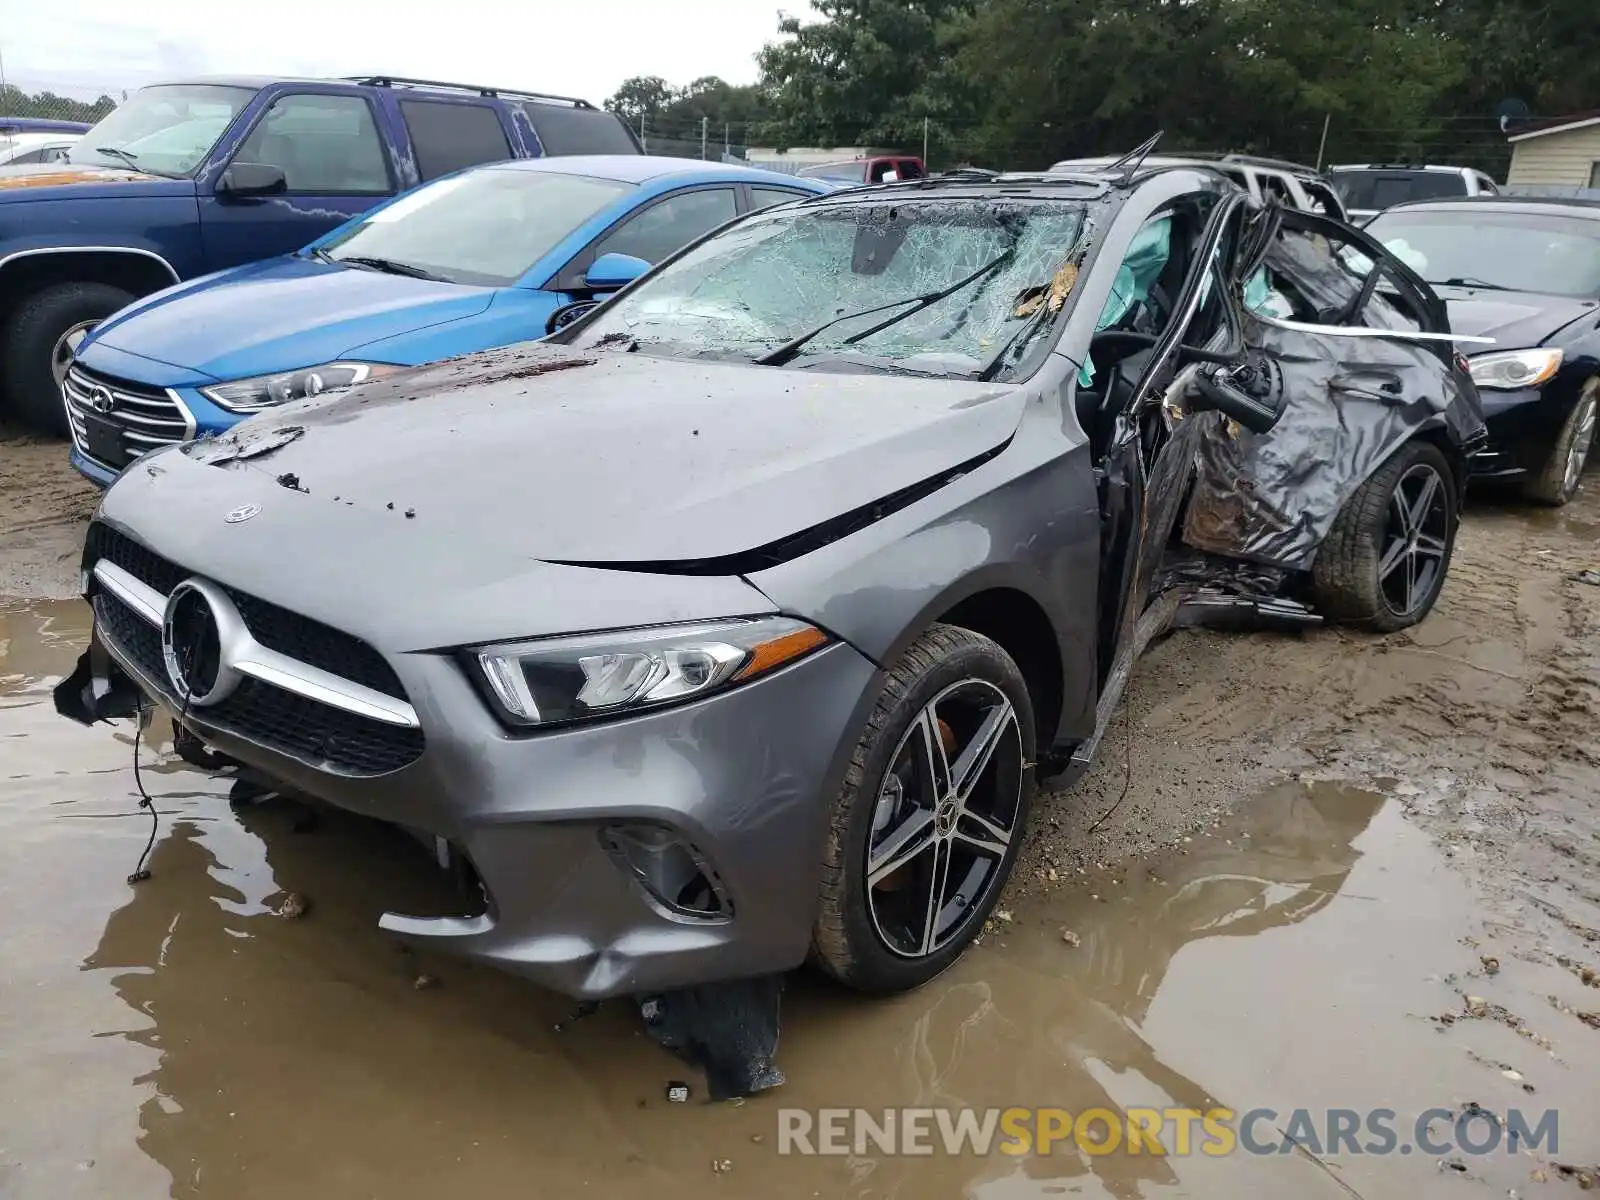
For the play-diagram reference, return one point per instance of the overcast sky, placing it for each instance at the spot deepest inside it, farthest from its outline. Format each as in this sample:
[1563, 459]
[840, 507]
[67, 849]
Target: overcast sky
[578, 47]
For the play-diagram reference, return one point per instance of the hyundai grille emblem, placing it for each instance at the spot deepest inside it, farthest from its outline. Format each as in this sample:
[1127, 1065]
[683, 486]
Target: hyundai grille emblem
[243, 513]
[101, 400]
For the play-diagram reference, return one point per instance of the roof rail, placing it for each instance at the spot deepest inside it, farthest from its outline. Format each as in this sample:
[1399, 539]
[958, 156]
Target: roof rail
[1257, 160]
[407, 81]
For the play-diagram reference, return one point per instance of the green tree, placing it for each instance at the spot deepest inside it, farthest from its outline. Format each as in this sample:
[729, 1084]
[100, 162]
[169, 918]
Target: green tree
[642, 96]
[866, 71]
[14, 102]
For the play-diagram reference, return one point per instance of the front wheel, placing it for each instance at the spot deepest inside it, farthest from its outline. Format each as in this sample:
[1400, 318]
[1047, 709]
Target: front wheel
[1557, 482]
[930, 818]
[39, 341]
[1384, 561]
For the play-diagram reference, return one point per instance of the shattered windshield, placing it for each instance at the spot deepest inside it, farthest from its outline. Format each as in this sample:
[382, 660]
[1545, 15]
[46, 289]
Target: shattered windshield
[932, 286]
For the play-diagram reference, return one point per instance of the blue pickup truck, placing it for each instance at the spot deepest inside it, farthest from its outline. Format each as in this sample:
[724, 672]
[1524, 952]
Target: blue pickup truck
[187, 178]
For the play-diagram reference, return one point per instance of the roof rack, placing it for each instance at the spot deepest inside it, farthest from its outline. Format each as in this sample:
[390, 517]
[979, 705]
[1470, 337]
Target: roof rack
[407, 81]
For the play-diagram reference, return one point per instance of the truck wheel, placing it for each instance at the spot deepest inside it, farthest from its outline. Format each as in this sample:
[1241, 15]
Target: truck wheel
[1557, 481]
[1383, 563]
[39, 340]
[931, 815]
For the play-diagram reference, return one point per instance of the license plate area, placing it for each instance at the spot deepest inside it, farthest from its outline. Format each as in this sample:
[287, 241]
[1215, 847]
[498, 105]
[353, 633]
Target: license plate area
[102, 440]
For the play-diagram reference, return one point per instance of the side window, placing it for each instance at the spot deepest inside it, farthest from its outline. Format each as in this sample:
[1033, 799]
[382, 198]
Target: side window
[765, 197]
[910, 168]
[670, 224]
[1307, 278]
[1487, 186]
[446, 137]
[325, 145]
[30, 156]
[883, 169]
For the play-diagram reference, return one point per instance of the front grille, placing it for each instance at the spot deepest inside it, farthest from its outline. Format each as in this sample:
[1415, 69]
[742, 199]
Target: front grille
[138, 417]
[276, 628]
[257, 711]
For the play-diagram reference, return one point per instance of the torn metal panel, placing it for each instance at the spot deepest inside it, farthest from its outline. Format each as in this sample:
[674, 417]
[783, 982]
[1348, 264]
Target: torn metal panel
[1273, 497]
[1354, 400]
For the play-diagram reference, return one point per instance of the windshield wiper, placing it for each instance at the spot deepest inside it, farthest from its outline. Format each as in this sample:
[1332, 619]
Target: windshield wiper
[1469, 281]
[390, 267]
[127, 156]
[992, 367]
[789, 349]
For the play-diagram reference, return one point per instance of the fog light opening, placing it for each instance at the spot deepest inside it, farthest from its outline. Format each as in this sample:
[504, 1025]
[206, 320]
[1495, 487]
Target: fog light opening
[670, 868]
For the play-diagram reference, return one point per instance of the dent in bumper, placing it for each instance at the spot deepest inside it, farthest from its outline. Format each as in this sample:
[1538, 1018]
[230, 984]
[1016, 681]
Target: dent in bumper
[745, 776]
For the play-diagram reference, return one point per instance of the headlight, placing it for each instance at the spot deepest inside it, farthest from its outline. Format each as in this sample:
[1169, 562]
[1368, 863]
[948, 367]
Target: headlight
[1509, 370]
[554, 681]
[268, 391]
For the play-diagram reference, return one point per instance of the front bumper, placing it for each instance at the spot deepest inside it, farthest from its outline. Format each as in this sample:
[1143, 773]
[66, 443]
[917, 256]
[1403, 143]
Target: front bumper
[745, 777]
[1522, 429]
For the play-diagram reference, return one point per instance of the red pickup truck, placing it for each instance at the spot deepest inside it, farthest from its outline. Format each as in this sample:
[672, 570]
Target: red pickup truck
[878, 169]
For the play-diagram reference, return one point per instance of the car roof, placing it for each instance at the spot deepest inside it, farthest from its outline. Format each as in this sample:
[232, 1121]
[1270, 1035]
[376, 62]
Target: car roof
[1401, 167]
[1041, 184]
[1215, 161]
[643, 168]
[1573, 206]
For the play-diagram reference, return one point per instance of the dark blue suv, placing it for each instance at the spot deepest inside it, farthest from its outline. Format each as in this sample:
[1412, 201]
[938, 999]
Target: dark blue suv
[191, 177]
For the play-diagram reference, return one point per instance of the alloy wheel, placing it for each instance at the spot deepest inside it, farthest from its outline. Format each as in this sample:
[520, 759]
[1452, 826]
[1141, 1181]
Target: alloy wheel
[66, 349]
[945, 818]
[1415, 539]
[1582, 440]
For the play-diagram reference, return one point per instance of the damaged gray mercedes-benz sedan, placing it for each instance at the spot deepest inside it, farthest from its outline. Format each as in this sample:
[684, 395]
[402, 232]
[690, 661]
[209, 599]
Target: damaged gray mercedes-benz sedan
[730, 627]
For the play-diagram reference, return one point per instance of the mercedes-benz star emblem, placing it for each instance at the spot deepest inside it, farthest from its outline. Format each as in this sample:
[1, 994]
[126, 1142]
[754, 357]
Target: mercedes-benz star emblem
[243, 513]
[192, 632]
[101, 400]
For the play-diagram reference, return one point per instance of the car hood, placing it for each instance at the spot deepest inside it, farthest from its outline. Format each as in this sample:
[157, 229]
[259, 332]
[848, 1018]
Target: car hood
[35, 181]
[282, 314]
[1514, 319]
[616, 458]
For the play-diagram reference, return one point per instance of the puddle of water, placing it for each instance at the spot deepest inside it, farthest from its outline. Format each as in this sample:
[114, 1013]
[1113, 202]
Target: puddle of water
[179, 1037]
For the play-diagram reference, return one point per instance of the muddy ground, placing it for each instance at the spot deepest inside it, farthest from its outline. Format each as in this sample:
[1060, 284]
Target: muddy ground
[1312, 871]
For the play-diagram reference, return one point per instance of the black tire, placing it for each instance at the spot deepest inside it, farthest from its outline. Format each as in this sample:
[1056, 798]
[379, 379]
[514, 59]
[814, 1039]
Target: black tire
[1557, 481]
[1346, 583]
[952, 667]
[28, 346]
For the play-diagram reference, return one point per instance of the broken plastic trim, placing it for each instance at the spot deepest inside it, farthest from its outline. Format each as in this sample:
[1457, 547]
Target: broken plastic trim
[729, 1030]
[672, 870]
[796, 545]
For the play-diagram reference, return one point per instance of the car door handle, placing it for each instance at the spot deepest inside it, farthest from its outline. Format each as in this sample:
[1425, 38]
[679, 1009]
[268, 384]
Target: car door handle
[1373, 385]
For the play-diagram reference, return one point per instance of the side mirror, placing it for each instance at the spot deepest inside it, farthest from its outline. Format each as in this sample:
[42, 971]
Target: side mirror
[1252, 393]
[612, 272]
[244, 179]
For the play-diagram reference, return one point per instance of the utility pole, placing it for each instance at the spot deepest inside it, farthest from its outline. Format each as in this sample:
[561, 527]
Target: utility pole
[644, 143]
[1323, 144]
[727, 145]
[924, 143]
[705, 125]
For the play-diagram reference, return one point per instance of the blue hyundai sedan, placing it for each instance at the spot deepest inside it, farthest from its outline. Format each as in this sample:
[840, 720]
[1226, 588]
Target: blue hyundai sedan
[487, 257]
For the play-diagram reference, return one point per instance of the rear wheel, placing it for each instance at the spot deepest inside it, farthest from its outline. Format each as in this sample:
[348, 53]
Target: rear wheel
[1384, 561]
[39, 340]
[929, 821]
[1558, 481]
